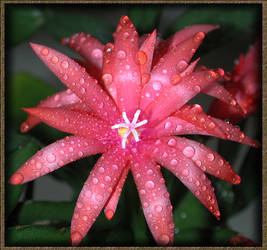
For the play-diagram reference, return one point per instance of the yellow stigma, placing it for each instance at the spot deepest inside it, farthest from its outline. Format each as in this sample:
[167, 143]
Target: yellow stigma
[122, 131]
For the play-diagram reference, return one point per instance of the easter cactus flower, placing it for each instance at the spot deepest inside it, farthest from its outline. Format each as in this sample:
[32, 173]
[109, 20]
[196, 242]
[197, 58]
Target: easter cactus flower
[128, 101]
[244, 84]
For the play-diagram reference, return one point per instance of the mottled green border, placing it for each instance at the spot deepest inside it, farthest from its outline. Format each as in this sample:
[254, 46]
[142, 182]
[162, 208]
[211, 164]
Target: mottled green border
[264, 117]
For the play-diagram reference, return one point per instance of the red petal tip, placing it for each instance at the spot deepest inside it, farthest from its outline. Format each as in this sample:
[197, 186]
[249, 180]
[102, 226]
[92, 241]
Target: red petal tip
[109, 214]
[75, 238]
[236, 180]
[16, 179]
[24, 127]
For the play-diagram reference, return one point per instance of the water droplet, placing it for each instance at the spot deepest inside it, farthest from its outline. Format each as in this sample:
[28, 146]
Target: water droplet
[107, 178]
[197, 193]
[141, 57]
[37, 174]
[95, 180]
[107, 78]
[115, 167]
[54, 59]
[158, 208]
[172, 142]
[44, 51]
[220, 162]
[156, 85]
[125, 35]
[82, 90]
[164, 239]
[85, 218]
[197, 88]
[47, 170]
[51, 158]
[71, 149]
[173, 162]
[38, 165]
[121, 54]
[64, 64]
[101, 170]
[165, 155]
[142, 191]
[181, 65]
[145, 204]
[149, 172]
[210, 157]
[203, 188]
[197, 183]
[189, 151]
[79, 204]
[199, 36]
[212, 125]
[150, 184]
[176, 79]
[198, 163]
[185, 172]
[167, 125]
[145, 78]
[97, 53]
[164, 71]
[178, 128]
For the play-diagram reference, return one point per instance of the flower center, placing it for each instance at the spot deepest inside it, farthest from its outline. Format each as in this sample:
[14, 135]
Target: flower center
[127, 128]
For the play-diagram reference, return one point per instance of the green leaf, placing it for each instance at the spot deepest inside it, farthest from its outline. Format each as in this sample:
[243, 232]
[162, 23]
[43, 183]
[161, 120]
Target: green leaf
[25, 90]
[22, 23]
[37, 236]
[145, 17]
[68, 24]
[190, 213]
[203, 237]
[45, 211]
[21, 148]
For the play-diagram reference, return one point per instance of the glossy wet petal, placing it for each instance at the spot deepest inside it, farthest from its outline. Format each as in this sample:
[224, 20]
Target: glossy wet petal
[55, 156]
[95, 193]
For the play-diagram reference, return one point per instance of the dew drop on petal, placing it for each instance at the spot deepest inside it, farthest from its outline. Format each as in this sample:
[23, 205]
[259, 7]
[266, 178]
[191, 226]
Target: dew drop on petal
[107, 78]
[121, 54]
[142, 191]
[185, 172]
[51, 158]
[167, 125]
[172, 142]
[44, 51]
[97, 53]
[156, 85]
[141, 57]
[150, 184]
[145, 204]
[176, 79]
[181, 65]
[189, 151]
[64, 64]
[158, 208]
[101, 170]
[210, 157]
[164, 239]
[107, 178]
[95, 180]
[173, 162]
[54, 59]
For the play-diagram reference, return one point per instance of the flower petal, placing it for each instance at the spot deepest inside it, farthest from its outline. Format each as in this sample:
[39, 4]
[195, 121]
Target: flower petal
[148, 48]
[78, 122]
[89, 48]
[179, 37]
[55, 156]
[234, 134]
[111, 205]
[57, 100]
[205, 158]
[126, 72]
[154, 198]
[172, 98]
[79, 81]
[188, 173]
[95, 193]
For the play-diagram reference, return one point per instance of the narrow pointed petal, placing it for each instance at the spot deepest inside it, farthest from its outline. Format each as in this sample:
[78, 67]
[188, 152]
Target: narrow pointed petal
[174, 97]
[205, 158]
[79, 81]
[148, 48]
[181, 124]
[188, 173]
[154, 198]
[108, 70]
[190, 68]
[218, 91]
[95, 193]
[57, 100]
[233, 133]
[89, 48]
[176, 60]
[179, 37]
[112, 202]
[55, 156]
[126, 70]
[77, 122]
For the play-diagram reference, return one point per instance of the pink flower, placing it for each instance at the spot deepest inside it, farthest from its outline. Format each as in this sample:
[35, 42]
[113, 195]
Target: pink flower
[128, 101]
[244, 84]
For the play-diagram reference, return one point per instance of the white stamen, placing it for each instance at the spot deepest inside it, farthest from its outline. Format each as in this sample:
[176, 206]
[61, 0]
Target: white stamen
[130, 126]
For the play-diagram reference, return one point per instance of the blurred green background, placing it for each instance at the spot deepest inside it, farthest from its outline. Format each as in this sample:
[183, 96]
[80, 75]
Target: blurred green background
[39, 213]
